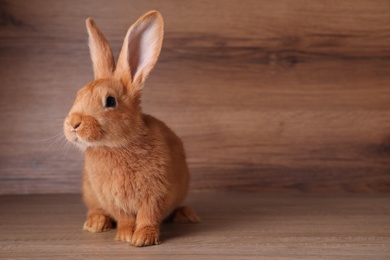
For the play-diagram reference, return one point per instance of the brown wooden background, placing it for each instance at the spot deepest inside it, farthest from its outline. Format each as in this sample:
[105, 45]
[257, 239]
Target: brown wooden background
[268, 96]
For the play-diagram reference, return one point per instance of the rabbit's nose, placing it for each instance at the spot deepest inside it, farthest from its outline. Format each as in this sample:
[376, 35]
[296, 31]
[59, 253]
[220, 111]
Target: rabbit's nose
[74, 121]
[76, 125]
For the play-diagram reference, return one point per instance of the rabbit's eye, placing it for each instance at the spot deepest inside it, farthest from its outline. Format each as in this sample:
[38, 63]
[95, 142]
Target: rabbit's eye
[110, 102]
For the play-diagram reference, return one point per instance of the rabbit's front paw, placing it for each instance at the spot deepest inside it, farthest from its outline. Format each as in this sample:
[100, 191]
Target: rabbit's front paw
[97, 223]
[124, 234]
[146, 236]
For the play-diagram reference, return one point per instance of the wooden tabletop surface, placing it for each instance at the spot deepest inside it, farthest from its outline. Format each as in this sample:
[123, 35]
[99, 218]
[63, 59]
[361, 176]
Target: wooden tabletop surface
[234, 226]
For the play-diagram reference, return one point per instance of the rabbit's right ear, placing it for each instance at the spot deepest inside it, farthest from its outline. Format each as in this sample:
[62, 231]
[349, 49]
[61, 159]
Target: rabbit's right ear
[101, 54]
[140, 50]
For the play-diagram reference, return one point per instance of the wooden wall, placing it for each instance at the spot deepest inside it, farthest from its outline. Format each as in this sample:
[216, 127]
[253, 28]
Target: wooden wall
[268, 96]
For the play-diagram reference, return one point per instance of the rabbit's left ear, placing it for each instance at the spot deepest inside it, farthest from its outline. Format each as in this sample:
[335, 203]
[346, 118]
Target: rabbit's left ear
[140, 50]
[101, 54]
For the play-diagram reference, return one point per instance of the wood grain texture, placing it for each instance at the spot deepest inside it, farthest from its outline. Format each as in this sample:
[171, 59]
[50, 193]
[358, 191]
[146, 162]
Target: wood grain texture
[268, 96]
[234, 226]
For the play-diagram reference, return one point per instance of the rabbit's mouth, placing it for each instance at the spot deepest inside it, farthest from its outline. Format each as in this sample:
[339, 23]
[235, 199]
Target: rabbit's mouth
[82, 130]
[75, 138]
[72, 135]
[78, 141]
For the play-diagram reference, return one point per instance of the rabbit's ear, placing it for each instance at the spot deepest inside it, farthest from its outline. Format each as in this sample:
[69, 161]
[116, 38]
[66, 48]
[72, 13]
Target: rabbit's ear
[101, 54]
[140, 49]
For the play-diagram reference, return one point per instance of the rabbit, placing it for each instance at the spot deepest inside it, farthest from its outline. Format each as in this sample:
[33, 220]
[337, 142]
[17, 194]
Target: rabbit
[135, 171]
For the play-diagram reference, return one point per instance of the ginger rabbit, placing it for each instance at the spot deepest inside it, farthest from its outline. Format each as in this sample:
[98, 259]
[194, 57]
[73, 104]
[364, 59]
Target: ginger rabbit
[135, 170]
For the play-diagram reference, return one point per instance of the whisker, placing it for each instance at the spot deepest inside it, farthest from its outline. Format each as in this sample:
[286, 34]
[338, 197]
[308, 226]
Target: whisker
[57, 139]
[68, 147]
[60, 134]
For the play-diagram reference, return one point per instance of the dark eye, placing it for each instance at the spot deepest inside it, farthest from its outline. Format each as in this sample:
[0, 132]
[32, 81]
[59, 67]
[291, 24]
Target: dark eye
[110, 102]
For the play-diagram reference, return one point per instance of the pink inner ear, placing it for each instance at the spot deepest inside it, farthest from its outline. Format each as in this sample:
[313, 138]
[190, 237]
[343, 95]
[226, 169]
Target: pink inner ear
[143, 48]
[134, 51]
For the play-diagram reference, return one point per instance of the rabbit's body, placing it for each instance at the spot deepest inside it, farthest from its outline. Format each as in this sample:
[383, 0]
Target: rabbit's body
[116, 178]
[135, 170]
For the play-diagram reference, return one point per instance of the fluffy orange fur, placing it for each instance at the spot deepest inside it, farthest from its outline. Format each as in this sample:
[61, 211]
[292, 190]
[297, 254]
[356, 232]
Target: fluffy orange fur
[135, 170]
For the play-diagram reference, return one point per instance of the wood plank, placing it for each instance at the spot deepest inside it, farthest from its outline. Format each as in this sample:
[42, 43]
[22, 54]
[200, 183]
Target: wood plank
[234, 226]
[268, 97]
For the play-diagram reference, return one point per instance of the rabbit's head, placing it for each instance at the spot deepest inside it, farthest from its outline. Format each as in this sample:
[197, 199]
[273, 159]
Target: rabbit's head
[107, 110]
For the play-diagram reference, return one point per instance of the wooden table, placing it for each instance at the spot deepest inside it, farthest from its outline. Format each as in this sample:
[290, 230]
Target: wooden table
[234, 226]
